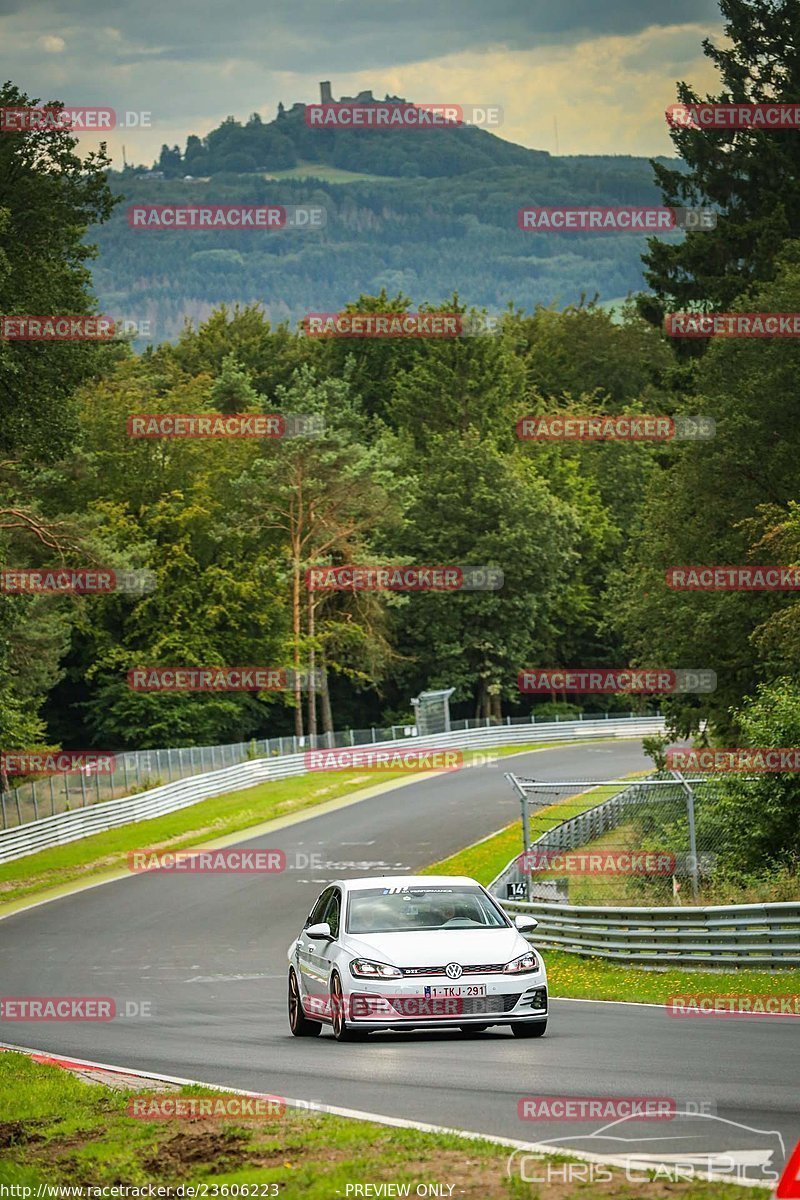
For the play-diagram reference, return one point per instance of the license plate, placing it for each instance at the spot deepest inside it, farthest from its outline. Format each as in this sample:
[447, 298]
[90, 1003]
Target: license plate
[467, 989]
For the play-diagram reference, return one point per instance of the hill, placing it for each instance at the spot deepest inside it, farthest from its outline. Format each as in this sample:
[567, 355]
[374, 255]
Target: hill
[400, 215]
[259, 146]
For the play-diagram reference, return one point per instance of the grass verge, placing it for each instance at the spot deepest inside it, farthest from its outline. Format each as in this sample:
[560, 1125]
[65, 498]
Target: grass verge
[484, 860]
[578, 977]
[235, 812]
[56, 1129]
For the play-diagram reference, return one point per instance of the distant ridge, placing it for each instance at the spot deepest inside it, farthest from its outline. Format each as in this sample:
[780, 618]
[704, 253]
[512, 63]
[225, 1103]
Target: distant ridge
[258, 147]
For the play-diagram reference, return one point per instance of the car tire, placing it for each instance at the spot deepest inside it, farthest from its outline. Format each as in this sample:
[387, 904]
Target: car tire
[298, 1021]
[527, 1029]
[341, 1030]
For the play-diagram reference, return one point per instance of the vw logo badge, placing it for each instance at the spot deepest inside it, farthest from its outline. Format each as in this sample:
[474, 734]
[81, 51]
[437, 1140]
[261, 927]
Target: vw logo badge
[453, 971]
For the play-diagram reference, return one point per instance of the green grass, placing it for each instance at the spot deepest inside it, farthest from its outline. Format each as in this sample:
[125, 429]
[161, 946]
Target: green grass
[221, 816]
[328, 174]
[572, 975]
[580, 977]
[56, 1129]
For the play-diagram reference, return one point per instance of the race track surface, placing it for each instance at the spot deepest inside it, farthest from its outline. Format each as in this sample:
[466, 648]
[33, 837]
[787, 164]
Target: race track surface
[208, 954]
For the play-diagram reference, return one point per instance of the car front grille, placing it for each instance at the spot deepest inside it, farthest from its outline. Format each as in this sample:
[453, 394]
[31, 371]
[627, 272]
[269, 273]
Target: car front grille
[481, 969]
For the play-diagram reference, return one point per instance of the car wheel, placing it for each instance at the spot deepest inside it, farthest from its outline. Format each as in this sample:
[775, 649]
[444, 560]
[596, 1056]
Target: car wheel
[341, 1030]
[471, 1030]
[529, 1028]
[298, 1021]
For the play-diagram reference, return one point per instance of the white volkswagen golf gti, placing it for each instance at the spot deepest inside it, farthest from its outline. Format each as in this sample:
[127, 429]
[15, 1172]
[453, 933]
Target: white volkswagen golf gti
[413, 952]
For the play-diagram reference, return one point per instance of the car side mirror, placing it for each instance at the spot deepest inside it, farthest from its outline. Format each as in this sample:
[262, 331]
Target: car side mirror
[524, 924]
[321, 932]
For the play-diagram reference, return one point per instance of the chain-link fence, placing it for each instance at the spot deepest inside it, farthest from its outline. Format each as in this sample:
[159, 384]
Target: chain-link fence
[610, 844]
[138, 770]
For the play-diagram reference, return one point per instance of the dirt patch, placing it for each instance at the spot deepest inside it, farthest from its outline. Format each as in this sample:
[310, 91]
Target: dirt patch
[18, 1133]
[211, 1147]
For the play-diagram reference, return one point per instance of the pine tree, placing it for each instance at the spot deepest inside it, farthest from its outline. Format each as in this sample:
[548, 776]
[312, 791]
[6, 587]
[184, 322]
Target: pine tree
[752, 177]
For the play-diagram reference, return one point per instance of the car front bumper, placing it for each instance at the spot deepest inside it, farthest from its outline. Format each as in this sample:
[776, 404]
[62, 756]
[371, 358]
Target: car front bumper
[412, 1003]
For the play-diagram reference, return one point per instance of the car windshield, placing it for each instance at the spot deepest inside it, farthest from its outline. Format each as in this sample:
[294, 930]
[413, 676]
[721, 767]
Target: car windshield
[405, 909]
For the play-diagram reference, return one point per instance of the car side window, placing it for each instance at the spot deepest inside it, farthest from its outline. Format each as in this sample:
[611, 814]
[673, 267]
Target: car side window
[316, 914]
[333, 911]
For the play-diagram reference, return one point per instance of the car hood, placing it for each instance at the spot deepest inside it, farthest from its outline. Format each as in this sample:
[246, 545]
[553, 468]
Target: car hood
[437, 947]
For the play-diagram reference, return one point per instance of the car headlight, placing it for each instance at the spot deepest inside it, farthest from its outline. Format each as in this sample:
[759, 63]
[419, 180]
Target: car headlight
[365, 968]
[519, 966]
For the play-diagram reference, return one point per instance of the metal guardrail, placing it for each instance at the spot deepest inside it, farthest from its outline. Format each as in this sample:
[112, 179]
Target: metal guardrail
[96, 818]
[721, 936]
[142, 770]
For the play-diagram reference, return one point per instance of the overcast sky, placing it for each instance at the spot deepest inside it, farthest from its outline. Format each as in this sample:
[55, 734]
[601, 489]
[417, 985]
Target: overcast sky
[573, 76]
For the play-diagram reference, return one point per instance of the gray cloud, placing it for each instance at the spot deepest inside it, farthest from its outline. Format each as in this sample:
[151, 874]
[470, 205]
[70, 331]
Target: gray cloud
[190, 66]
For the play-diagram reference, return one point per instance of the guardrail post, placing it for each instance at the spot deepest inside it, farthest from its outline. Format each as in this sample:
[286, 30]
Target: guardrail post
[52, 798]
[692, 833]
[526, 837]
[83, 788]
[3, 806]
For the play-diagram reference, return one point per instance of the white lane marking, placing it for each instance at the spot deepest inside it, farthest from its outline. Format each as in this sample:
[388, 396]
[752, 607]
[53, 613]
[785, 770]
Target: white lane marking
[230, 978]
[629, 1003]
[337, 1111]
[654, 1004]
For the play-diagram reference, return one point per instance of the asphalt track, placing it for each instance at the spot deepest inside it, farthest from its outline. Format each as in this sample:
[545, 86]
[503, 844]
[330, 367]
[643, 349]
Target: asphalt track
[207, 953]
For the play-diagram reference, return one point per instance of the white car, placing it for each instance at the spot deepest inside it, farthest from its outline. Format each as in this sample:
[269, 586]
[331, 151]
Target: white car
[413, 952]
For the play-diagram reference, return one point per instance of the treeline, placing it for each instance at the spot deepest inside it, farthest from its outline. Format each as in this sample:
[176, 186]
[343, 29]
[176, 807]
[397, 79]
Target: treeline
[419, 462]
[413, 236]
